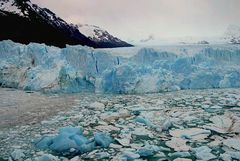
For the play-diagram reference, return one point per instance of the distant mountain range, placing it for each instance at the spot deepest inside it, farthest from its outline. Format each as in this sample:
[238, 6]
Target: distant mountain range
[230, 36]
[24, 22]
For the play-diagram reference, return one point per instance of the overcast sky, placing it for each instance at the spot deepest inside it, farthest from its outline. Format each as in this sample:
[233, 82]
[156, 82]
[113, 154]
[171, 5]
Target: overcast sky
[137, 19]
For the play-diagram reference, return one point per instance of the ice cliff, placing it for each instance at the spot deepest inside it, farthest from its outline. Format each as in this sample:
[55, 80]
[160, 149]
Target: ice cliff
[44, 68]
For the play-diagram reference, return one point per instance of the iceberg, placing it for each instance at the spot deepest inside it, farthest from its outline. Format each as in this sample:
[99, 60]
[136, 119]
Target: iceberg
[70, 140]
[38, 67]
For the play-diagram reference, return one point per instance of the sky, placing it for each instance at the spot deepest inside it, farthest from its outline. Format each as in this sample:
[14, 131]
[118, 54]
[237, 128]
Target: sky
[141, 19]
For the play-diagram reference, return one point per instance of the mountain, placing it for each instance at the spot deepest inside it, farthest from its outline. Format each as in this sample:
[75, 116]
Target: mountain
[24, 22]
[101, 36]
[232, 34]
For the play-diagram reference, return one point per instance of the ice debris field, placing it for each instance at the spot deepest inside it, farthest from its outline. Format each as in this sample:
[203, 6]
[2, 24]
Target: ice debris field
[38, 67]
[187, 125]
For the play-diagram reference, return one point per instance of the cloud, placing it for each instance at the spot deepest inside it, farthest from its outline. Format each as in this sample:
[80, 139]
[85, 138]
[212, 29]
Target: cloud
[149, 38]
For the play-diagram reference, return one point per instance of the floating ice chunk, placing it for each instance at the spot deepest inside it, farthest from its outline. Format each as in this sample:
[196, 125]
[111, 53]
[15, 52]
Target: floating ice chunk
[142, 131]
[109, 117]
[234, 155]
[232, 143]
[47, 157]
[88, 147]
[167, 124]
[18, 154]
[148, 150]
[204, 153]
[123, 141]
[107, 128]
[102, 155]
[216, 107]
[144, 121]
[216, 142]
[182, 159]
[76, 158]
[63, 143]
[179, 154]
[44, 142]
[227, 123]
[178, 144]
[197, 134]
[29, 159]
[80, 140]
[97, 106]
[130, 155]
[226, 157]
[103, 140]
[70, 140]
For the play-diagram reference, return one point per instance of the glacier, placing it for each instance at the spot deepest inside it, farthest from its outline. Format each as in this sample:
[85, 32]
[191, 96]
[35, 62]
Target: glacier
[38, 67]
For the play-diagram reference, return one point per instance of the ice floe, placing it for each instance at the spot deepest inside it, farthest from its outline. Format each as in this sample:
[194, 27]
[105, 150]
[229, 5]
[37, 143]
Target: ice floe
[227, 123]
[197, 134]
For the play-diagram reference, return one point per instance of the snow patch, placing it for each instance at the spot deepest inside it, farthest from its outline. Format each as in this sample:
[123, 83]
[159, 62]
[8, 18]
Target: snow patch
[10, 6]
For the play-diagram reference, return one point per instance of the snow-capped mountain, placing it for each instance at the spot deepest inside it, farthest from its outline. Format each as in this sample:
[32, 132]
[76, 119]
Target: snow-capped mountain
[24, 22]
[232, 35]
[10, 6]
[100, 36]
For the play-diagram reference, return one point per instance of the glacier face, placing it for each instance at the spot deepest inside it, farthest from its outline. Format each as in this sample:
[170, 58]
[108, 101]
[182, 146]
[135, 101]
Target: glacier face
[43, 68]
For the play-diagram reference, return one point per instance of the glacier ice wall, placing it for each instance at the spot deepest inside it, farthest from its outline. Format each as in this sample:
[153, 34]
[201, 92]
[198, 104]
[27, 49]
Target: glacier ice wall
[43, 68]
